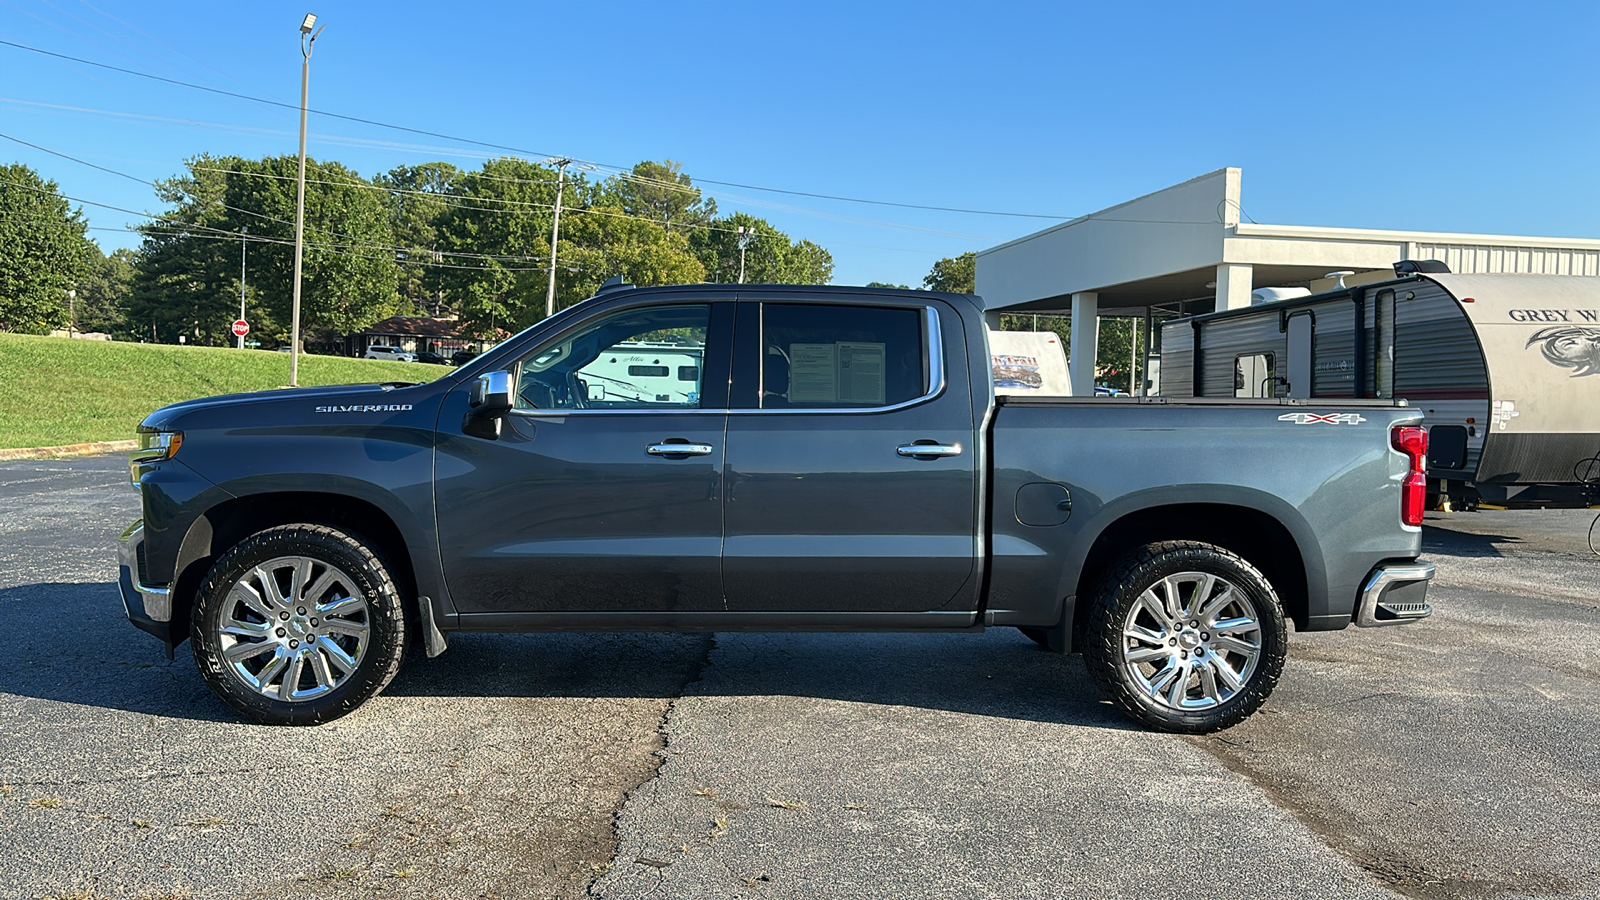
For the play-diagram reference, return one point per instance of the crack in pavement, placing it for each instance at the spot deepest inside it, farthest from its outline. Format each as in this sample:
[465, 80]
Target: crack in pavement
[652, 778]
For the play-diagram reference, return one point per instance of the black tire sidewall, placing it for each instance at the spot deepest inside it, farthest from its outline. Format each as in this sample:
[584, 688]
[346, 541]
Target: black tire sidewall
[345, 552]
[1120, 589]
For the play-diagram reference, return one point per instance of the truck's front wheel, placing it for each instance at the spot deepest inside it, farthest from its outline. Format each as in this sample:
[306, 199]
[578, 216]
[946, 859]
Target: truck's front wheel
[1186, 637]
[298, 625]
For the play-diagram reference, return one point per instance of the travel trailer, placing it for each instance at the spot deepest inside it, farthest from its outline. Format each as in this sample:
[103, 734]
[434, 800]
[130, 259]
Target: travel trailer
[1506, 369]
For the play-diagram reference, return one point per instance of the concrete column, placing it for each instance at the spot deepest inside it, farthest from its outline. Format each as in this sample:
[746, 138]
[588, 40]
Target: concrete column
[1085, 342]
[991, 317]
[1233, 286]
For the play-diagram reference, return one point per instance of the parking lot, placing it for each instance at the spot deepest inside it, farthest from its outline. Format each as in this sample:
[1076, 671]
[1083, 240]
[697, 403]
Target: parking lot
[1451, 758]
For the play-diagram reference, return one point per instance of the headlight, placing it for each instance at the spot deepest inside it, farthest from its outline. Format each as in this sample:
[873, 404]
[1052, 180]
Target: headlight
[154, 446]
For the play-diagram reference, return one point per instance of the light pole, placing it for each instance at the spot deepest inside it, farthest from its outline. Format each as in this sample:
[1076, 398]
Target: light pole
[72, 309]
[308, 43]
[555, 234]
[244, 238]
[746, 234]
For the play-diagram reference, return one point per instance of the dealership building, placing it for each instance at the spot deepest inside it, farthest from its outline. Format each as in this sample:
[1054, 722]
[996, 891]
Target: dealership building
[1184, 251]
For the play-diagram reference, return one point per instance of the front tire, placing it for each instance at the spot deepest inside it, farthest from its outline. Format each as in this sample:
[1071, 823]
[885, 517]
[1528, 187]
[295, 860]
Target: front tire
[298, 625]
[1186, 637]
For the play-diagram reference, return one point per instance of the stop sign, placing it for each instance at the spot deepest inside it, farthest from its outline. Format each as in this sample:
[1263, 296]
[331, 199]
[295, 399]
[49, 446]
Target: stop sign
[241, 328]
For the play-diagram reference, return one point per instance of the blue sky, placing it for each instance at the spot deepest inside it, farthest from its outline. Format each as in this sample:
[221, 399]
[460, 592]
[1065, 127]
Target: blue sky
[1471, 117]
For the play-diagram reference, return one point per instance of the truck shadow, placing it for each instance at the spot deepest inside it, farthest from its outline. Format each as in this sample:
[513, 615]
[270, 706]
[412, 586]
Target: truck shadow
[1439, 540]
[997, 673]
[70, 643]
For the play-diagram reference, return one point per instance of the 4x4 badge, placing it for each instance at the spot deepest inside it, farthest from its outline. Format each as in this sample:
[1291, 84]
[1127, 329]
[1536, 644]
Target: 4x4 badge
[1323, 419]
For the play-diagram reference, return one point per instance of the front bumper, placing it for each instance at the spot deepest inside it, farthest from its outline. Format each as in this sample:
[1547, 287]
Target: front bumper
[149, 607]
[1395, 595]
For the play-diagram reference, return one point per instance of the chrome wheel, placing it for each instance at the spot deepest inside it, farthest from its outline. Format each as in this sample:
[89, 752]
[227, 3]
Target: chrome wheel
[293, 628]
[1191, 641]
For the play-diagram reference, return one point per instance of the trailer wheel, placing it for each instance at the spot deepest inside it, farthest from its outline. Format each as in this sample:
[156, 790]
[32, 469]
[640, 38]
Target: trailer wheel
[1186, 637]
[298, 625]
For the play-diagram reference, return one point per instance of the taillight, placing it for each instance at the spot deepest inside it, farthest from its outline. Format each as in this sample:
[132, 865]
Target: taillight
[1412, 440]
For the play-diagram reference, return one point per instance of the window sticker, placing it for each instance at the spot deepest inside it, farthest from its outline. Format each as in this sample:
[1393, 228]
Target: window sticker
[861, 373]
[813, 373]
[848, 372]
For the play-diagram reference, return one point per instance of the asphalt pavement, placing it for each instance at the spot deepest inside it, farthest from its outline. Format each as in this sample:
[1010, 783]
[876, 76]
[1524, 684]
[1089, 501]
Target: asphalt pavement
[492, 772]
[1450, 758]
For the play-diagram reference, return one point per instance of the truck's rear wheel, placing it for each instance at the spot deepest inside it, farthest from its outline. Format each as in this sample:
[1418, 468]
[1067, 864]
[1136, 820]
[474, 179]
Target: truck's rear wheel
[298, 625]
[1186, 637]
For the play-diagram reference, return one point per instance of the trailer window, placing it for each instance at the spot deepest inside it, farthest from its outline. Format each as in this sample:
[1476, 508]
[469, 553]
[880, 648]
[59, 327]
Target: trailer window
[1384, 357]
[1255, 375]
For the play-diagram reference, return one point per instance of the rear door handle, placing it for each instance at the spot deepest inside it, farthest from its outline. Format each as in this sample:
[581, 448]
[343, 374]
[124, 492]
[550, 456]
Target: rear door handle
[669, 449]
[929, 450]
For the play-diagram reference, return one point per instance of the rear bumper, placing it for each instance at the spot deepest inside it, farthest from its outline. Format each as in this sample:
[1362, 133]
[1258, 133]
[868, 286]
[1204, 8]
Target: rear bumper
[1395, 595]
[149, 607]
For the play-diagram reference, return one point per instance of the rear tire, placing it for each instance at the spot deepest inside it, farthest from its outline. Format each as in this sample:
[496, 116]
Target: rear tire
[1186, 637]
[298, 625]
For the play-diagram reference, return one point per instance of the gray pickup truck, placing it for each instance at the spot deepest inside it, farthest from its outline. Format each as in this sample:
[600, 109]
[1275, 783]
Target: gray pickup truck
[766, 458]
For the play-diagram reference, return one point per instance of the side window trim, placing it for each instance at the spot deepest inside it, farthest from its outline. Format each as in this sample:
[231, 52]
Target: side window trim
[715, 365]
[933, 358]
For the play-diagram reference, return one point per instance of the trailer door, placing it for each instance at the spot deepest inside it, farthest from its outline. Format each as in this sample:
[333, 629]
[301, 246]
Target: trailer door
[1301, 327]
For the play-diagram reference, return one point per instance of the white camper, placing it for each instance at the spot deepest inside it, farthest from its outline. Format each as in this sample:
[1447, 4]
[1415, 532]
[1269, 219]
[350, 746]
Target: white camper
[1029, 363]
[649, 372]
[1506, 369]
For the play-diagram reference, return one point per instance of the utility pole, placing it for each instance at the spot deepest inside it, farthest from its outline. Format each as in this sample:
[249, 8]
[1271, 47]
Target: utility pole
[306, 46]
[747, 233]
[244, 234]
[555, 235]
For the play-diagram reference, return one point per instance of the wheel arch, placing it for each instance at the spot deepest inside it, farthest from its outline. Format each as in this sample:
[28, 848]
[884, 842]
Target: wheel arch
[226, 524]
[1257, 536]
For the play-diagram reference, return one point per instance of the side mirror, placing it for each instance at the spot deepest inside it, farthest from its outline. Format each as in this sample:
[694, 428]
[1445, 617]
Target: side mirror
[490, 401]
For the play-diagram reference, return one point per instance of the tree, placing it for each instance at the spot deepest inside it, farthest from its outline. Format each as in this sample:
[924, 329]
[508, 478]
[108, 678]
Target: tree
[605, 242]
[43, 251]
[770, 258]
[1115, 352]
[662, 193]
[188, 278]
[498, 224]
[104, 292]
[957, 275]
[418, 201]
[885, 284]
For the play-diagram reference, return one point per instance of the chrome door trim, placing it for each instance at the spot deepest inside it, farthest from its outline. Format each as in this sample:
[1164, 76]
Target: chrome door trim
[934, 346]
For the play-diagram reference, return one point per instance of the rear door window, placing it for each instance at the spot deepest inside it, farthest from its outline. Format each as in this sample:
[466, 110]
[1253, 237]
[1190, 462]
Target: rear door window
[817, 356]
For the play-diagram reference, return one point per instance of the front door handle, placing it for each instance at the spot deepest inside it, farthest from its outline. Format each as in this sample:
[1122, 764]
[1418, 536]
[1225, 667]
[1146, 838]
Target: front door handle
[929, 450]
[684, 449]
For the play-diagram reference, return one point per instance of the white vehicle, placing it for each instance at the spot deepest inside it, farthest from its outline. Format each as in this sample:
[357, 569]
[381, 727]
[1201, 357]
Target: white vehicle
[393, 354]
[645, 372]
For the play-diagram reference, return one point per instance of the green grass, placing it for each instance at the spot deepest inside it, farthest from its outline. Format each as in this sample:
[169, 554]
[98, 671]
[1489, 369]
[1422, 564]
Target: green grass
[56, 391]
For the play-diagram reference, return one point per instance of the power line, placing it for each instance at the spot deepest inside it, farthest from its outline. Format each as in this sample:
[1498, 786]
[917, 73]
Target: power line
[355, 241]
[492, 145]
[170, 228]
[480, 174]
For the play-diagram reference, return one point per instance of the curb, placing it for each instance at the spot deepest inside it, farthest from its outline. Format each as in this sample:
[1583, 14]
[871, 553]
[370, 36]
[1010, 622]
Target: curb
[96, 448]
